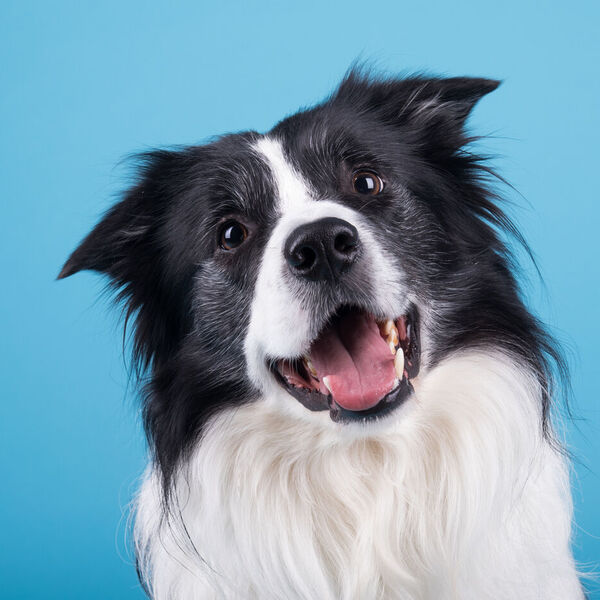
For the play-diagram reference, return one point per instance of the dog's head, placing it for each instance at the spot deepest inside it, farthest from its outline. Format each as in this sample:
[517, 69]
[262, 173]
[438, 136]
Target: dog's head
[322, 267]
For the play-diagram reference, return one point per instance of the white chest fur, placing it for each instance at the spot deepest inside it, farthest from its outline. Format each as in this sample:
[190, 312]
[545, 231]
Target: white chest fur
[461, 497]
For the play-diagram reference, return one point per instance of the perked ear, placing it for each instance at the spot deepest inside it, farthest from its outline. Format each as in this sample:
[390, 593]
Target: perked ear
[107, 248]
[126, 228]
[129, 246]
[453, 97]
[432, 103]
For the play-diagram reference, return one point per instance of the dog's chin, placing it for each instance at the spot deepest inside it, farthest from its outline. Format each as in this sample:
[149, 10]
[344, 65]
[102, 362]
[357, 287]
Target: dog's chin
[359, 368]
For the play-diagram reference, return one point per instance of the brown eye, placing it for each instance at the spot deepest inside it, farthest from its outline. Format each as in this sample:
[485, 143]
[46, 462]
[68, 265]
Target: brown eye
[232, 235]
[367, 182]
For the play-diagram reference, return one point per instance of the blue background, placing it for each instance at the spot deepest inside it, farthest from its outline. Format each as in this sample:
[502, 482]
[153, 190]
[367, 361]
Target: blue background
[84, 84]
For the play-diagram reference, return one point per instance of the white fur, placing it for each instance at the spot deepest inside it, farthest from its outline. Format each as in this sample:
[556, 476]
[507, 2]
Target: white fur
[460, 497]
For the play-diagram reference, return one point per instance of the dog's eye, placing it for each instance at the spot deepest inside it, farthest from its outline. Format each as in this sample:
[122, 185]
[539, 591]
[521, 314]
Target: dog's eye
[232, 235]
[367, 182]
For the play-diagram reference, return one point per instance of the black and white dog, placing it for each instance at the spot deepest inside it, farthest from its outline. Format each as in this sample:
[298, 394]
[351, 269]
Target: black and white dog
[346, 396]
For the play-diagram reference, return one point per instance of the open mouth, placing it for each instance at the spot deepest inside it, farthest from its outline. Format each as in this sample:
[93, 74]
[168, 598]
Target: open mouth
[358, 367]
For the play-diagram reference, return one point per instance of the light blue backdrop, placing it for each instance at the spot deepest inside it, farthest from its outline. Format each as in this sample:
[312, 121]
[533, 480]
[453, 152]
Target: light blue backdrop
[83, 84]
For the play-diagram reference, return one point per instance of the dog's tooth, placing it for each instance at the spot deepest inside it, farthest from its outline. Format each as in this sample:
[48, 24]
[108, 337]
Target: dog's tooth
[310, 367]
[326, 384]
[390, 332]
[387, 327]
[399, 364]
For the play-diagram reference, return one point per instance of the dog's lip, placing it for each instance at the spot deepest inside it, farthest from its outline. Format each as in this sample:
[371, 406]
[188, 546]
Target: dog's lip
[314, 400]
[386, 405]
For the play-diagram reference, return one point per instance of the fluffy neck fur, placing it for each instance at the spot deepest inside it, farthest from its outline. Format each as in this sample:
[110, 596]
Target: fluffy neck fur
[463, 498]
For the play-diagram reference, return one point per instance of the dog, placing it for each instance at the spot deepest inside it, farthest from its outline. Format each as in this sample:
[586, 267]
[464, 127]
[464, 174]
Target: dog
[345, 396]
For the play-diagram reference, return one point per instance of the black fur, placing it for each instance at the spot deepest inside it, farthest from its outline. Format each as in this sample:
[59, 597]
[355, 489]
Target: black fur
[191, 300]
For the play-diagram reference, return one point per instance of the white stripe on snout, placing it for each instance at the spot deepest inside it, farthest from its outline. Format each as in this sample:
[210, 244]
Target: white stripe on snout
[292, 190]
[281, 324]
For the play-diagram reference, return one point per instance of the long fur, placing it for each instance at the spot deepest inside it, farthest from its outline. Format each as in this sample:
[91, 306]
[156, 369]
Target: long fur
[269, 507]
[462, 491]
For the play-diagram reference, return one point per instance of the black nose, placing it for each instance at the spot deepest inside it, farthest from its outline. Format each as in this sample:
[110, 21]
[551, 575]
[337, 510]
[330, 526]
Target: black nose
[322, 250]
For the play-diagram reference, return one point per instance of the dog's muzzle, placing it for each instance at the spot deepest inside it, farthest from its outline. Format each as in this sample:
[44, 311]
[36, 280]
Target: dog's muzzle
[358, 366]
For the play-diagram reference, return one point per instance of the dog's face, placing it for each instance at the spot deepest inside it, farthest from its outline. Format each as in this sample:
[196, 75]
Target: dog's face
[322, 267]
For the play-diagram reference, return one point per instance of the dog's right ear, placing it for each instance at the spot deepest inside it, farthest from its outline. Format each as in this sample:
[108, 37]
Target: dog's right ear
[126, 229]
[132, 247]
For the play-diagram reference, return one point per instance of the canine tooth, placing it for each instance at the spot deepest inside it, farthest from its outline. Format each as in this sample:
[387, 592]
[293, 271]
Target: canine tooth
[392, 348]
[399, 364]
[326, 384]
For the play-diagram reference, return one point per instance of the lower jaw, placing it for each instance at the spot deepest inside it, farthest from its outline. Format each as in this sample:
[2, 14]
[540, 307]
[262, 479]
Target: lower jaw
[392, 400]
[316, 402]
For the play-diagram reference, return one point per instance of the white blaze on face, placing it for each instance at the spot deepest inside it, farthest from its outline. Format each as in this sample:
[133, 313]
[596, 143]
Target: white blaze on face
[293, 191]
[279, 325]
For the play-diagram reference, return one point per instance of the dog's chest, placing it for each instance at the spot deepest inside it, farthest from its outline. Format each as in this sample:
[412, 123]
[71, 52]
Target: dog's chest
[269, 507]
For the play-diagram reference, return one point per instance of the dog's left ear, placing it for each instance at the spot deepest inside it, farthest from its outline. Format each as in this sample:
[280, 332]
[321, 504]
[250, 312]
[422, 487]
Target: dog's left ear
[424, 107]
[451, 99]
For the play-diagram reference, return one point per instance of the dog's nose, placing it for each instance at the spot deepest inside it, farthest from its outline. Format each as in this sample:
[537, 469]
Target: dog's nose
[322, 250]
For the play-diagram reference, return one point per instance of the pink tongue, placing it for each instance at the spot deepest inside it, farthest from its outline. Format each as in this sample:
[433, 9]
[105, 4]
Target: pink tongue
[357, 361]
